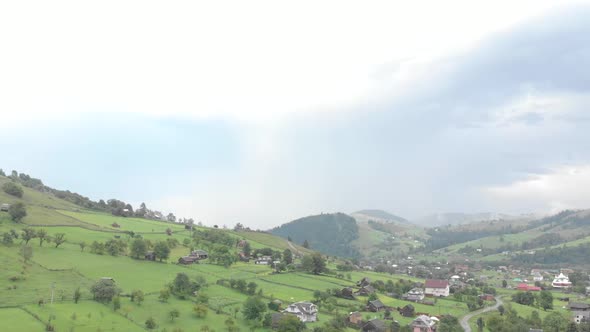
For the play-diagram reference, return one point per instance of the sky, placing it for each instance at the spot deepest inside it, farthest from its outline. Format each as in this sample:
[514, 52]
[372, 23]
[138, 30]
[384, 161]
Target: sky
[262, 112]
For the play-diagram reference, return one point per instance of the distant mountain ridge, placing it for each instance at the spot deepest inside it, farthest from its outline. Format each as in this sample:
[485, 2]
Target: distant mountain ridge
[381, 215]
[458, 218]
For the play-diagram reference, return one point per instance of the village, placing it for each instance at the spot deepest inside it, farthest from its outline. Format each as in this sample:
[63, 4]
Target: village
[455, 282]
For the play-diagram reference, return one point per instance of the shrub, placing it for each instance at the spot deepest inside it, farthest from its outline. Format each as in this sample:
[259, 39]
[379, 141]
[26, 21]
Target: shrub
[13, 189]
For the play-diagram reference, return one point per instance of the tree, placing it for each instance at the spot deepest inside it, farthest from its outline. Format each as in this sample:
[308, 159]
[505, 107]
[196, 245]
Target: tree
[59, 238]
[13, 189]
[314, 263]
[150, 323]
[480, 324]
[501, 310]
[449, 324]
[247, 249]
[253, 308]
[504, 283]
[200, 310]
[305, 244]
[82, 246]
[526, 298]
[182, 286]
[164, 295]
[42, 235]
[17, 211]
[138, 248]
[77, 295]
[162, 250]
[241, 285]
[171, 217]
[104, 290]
[572, 327]
[116, 303]
[251, 288]
[545, 300]
[174, 313]
[290, 323]
[137, 296]
[7, 239]
[26, 252]
[554, 322]
[2, 172]
[287, 256]
[28, 234]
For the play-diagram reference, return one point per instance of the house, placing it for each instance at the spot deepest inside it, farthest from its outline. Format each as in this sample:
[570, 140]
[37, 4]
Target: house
[538, 277]
[375, 306]
[364, 282]
[365, 291]
[580, 311]
[415, 294]
[487, 297]
[407, 311]
[581, 316]
[187, 260]
[436, 287]
[528, 288]
[355, 318]
[150, 256]
[243, 258]
[263, 260]
[423, 323]
[4, 207]
[199, 254]
[374, 325]
[305, 311]
[578, 306]
[347, 293]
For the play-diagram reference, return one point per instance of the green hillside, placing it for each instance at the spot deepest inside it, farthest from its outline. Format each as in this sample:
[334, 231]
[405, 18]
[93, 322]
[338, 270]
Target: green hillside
[328, 233]
[27, 283]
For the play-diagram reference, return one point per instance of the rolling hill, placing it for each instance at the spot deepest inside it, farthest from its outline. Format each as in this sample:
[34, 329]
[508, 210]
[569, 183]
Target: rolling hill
[329, 233]
[378, 215]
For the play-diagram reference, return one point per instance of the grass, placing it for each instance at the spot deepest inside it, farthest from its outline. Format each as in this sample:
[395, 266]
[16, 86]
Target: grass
[12, 317]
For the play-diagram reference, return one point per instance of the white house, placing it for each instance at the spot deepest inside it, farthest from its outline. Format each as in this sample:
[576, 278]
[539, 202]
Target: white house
[305, 311]
[436, 288]
[537, 277]
[415, 294]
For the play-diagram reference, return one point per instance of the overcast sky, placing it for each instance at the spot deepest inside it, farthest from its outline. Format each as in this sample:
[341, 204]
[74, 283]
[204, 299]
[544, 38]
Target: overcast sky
[263, 112]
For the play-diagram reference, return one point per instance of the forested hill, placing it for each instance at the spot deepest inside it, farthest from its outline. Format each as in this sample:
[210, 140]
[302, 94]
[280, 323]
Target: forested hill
[329, 233]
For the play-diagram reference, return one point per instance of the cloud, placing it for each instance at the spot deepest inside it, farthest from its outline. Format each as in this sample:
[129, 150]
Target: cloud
[238, 116]
[566, 187]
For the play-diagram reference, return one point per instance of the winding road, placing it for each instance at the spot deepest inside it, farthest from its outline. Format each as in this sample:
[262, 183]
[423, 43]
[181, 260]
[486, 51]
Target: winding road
[465, 320]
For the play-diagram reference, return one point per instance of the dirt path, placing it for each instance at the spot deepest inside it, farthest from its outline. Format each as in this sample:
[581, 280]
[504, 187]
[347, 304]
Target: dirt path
[295, 250]
[465, 320]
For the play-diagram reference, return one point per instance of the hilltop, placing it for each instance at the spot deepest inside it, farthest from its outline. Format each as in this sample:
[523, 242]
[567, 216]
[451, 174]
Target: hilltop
[378, 215]
[329, 233]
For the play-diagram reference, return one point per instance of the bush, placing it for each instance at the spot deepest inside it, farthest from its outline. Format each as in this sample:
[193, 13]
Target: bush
[150, 323]
[13, 189]
[17, 212]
